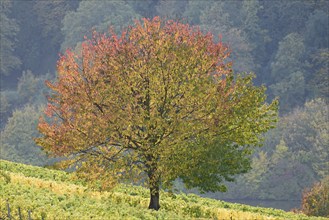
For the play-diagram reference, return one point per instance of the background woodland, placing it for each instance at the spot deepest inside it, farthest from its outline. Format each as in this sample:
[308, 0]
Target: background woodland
[285, 43]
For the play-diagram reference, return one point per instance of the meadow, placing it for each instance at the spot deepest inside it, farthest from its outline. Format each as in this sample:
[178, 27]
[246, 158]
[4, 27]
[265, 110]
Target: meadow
[53, 194]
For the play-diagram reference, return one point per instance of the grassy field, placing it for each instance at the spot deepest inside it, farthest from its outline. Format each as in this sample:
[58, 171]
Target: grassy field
[52, 194]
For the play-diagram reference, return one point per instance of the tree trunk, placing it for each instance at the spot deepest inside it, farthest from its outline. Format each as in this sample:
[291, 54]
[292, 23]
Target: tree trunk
[155, 196]
[154, 182]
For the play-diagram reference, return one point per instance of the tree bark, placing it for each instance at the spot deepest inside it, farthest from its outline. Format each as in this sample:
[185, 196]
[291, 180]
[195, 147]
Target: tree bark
[155, 196]
[154, 182]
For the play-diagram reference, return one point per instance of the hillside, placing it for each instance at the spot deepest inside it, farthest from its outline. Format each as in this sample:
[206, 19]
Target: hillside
[52, 194]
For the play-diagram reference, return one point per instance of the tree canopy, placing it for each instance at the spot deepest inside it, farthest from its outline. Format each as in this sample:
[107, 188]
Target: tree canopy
[100, 16]
[156, 103]
[17, 137]
[9, 28]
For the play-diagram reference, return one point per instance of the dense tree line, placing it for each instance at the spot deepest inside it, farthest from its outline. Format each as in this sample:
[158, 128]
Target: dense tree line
[284, 42]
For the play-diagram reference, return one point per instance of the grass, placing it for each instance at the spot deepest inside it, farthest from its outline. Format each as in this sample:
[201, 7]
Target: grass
[52, 194]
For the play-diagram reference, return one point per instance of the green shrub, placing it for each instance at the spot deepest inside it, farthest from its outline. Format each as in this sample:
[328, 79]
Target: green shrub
[4, 176]
[315, 200]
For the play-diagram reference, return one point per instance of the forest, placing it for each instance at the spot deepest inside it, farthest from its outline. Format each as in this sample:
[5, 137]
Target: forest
[284, 43]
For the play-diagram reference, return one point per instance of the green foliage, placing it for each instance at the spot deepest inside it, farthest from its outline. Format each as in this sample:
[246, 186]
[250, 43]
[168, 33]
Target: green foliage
[194, 9]
[319, 83]
[9, 29]
[32, 89]
[39, 38]
[33, 188]
[287, 72]
[100, 16]
[27, 86]
[283, 17]
[301, 156]
[307, 133]
[171, 9]
[315, 200]
[17, 142]
[294, 155]
[50, 15]
[244, 33]
[4, 175]
[31, 48]
[317, 30]
[257, 31]
[36, 172]
[157, 103]
[218, 20]
[147, 9]
[288, 58]
[291, 90]
[9, 101]
[4, 105]
[256, 35]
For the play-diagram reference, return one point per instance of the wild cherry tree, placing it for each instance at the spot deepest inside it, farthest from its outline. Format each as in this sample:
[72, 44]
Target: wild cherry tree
[157, 103]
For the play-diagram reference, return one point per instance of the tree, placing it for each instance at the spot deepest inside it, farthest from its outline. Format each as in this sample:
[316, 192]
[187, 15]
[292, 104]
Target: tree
[283, 17]
[171, 9]
[31, 89]
[319, 83]
[315, 200]
[156, 103]
[317, 30]
[308, 132]
[98, 15]
[146, 9]
[297, 153]
[9, 28]
[17, 137]
[194, 10]
[287, 73]
[30, 45]
[257, 36]
[4, 108]
[288, 58]
[219, 19]
[49, 16]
